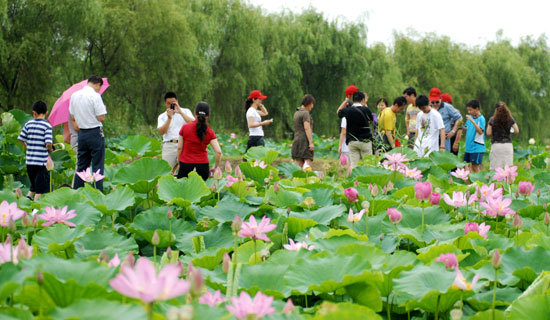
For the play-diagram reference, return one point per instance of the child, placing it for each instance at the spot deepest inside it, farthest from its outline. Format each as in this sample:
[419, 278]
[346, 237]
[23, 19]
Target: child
[36, 136]
[430, 129]
[475, 136]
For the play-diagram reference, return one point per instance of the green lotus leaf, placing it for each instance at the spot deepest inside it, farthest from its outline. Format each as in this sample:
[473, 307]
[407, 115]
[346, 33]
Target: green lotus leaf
[146, 223]
[333, 243]
[141, 146]
[488, 314]
[288, 257]
[326, 272]
[142, 175]
[257, 174]
[61, 160]
[209, 258]
[373, 175]
[265, 277]
[118, 200]
[205, 312]
[20, 116]
[322, 196]
[365, 294]
[242, 190]
[283, 198]
[93, 243]
[11, 278]
[446, 160]
[532, 211]
[297, 225]
[60, 196]
[9, 123]
[539, 240]
[15, 314]
[377, 206]
[429, 254]
[34, 297]
[261, 153]
[288, 168]
[87, 309]
[114, 157]
[412, 216]
[346, 310]
[219, 236]
[525, 265]
[495, 241]
[322, 215]
[192, 189]
[246, 251]
[226, 209]
[524, 307]
[484, 300]
[58, 239]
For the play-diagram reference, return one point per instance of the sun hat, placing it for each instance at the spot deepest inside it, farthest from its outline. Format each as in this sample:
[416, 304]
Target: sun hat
[256, 94]
[446, 98]
[350, 90]
[435, 94]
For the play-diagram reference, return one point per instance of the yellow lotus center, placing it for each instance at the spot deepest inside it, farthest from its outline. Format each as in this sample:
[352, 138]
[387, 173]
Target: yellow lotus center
[5, 217]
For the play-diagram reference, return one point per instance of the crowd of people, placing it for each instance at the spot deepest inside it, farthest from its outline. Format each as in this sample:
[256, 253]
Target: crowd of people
[432, 123]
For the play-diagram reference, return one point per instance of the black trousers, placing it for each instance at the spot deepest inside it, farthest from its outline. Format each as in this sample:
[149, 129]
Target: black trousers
[255, 141]
[91, 150]
[203, 169]
[40, 179]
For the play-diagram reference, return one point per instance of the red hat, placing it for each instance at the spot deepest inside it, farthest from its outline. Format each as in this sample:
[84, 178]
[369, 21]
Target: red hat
[435, 94]
[446, 98]
[256, 94]
[351, 90]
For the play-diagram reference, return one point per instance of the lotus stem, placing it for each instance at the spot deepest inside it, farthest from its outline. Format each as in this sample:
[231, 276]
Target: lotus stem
[388, 307]
[423, 215]
[155, 256]
[255, 253]
[230, 272]
[437, 307]
[149, 309]
[494, 294]
[236, 278]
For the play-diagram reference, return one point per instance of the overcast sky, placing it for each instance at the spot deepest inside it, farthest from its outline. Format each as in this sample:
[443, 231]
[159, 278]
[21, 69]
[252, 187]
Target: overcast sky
[472, 22]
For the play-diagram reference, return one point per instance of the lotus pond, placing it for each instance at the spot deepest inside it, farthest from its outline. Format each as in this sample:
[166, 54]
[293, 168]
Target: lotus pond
[395, 238]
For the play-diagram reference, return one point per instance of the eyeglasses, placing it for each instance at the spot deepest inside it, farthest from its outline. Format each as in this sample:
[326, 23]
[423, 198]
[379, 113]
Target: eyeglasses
[435, 102]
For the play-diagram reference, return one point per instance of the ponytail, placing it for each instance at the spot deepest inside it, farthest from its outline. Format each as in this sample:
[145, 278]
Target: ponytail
[202, 110]
[247, 104]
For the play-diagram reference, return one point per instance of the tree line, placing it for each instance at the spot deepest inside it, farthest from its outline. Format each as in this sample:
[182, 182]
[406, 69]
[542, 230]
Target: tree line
[220, 50]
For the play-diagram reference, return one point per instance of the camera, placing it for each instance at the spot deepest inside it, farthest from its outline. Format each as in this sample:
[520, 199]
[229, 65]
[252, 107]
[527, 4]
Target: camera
[173, 106]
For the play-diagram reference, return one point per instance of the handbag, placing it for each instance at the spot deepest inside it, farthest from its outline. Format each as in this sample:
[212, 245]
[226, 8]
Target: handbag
[479, 139]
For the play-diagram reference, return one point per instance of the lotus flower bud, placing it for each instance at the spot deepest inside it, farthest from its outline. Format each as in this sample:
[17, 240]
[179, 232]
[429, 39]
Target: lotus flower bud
[23, 250]
[546, 218]
[356, 184]
[394, 215]
[170, 213]
[276, 186]
[538, 192]
[517, 221]
[423, 190]
[389, 186]
[228, 167]
[218, 173]
[49, 164]
[497, 259]
[18, 192]
[169, 253]
[238, 173]
[344, 160]
[435, 198]
[34, 221]
[155, 240]
[197, 282]
[264, 254]
[322, 175]
[129, 260]
[351, 194]
[214, 187]
[103, 256]
[289, 307]
[25, 221]
[11, 224]
[39, 277]
[382, 236]
[226, 262]
[236, 224]
[525, 188]
[8, 239]
[373, 189]
[365, 204]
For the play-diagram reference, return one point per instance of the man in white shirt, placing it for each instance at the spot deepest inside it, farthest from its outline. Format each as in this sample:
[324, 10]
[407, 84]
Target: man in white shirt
[87, 113]
[169, 125]
[430, 128]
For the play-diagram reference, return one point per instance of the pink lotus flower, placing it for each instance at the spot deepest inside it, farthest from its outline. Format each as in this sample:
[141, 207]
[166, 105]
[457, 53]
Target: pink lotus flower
[289, 307]
[255, 231]
[115, 262]
[217, 173]
[355, 217]
[423, 190]
[297, 246]
[517, 223]
[413, 173]
[449, 259]
[494, 207]
[507, 174]
[54, 215]
[394, 215]
[351, 194]
[344, 160]
[230, 180]
[212, 299]
[49, 164]
[243, 306]
[88, 176]
[458, 200]
[435, 198]
[482, 229]
[488, 191]
[525, 188]
[9, 211]
[142, 282]
[461, 283]
[461, 173]
[228, 167]
[14, 254]
[472, 199]
[260, 164]
[396, 159]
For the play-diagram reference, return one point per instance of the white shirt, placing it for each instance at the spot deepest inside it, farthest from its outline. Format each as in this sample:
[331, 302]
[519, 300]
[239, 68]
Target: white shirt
[177, 122]
[86, 105]
[344, 124]
[258, 131]
[428, 126]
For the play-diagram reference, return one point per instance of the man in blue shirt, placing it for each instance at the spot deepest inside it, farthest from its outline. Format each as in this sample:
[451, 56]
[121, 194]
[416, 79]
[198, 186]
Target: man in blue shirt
[451, 117]
[475, 136]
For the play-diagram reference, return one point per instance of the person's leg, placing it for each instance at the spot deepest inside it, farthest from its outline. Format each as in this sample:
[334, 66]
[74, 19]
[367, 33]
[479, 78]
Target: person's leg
[42, 182]
[367, 148]
[31, 172]
[452, 141]
[354, 153]
[170, 153]
[185, 168]
[84, 157]
[299, 162]
[410, 142]
[203, 169]
[98, 157]
[309, 162]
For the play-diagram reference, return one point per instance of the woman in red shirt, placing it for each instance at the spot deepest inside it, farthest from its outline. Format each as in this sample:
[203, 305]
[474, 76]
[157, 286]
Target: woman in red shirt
[194, 139]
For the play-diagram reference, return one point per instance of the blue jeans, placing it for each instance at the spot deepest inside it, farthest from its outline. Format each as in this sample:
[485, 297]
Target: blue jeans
[91, 150]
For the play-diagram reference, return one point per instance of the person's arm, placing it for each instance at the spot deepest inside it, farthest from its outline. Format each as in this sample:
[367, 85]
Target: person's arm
[454, 130]
[101, 118]
[457, 140]
[217, 153]
[442, 139]
[251, 123]
[263, 111]
[342, 140]
[309, 135]
[389, 135]
[49, 146]
[342, 106]
[75, 125]
[187, 117]
[478, 128]
[407, 119]
[164, 128]
[489, 131]
[516, 128]
[180, 146]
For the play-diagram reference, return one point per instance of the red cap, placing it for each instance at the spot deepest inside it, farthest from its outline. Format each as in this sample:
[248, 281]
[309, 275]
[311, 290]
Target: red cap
[435, 94]
[351, 90]
[446, 98]
[256, 94]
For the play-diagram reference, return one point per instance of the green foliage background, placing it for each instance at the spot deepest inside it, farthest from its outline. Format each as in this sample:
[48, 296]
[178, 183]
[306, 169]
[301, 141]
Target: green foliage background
[219, 50]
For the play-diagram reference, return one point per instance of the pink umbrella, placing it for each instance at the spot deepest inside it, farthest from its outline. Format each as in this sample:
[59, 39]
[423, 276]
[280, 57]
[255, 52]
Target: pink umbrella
[60, 110]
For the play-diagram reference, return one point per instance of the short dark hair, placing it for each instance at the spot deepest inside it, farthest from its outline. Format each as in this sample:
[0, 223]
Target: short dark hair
[169, 95]
[409, 91]
[95, 79]
[358, 96]
[400, 101]
[422, 101]
[40, 107]
[307, 100]
[474, 103]
[382, 100]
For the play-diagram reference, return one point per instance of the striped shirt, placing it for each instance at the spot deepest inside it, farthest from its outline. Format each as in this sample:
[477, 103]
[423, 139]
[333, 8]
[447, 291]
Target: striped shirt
[36, 134]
